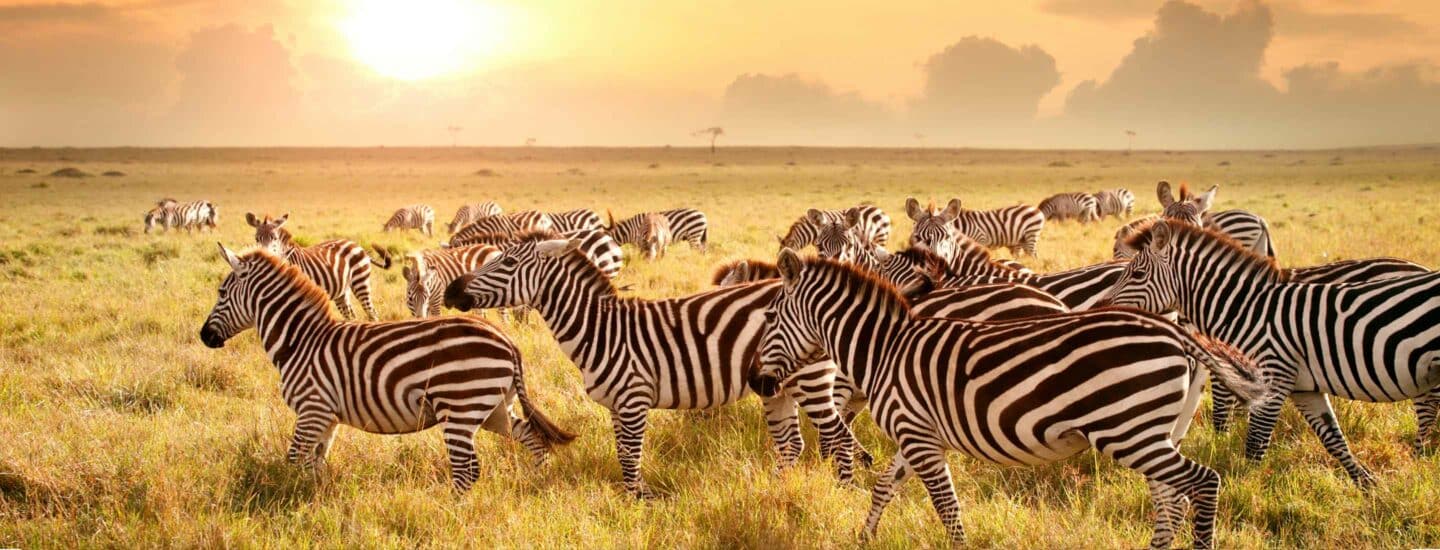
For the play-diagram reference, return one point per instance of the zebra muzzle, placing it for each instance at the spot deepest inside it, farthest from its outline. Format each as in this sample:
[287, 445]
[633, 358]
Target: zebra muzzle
[211, 338]
[455, 295]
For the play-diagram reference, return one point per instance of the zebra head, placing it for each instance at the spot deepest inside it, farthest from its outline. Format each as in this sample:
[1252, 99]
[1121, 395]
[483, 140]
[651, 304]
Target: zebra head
[1122, 249]
[838, 241]
[420, 286]
[790, 337]
[1189, 208]
[934, 230]
[512, 279]
[1150, 281]
[270, 232]
[234, 310]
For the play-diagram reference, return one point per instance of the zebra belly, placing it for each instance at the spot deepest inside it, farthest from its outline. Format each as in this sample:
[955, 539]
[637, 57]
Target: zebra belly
[412, 414]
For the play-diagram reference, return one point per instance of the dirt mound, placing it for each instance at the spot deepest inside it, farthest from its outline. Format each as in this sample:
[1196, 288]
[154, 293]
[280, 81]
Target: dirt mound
[113, 174]
[25, 171]
[70, 172]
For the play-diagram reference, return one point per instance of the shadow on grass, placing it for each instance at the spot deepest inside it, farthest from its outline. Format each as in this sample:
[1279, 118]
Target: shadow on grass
[263, 482]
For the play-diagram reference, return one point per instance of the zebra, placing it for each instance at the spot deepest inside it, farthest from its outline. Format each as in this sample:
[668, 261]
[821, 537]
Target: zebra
[1118, 202]
[1247, 228]
[1376, 341]
[686, 224]
[509, 225]
[872, 223]
[1017, 392]
[934, 229]
[597, 245]
[1016, 228]
[469, 213]
[1080, 289]
[1070, 206]
[170, 214]
[657, 236]
[429, 271]
[415, 216]
[338, 266]
[388, 378]
[694, 352]
[575, 220]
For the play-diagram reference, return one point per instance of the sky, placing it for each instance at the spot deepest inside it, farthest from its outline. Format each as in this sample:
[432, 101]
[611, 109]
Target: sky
[1212, 74]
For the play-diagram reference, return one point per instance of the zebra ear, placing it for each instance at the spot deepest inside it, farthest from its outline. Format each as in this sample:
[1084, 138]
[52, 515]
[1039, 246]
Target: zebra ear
[790, 265]
[1204, 200]
[1162, 192]
[952, 210]
[852, 217]
[741, 271]
[815, 216]
[250, 219]
[611, 216]
[557, 247]
[912, 209]
[279, 222]
[229, 256]
[1159, 236]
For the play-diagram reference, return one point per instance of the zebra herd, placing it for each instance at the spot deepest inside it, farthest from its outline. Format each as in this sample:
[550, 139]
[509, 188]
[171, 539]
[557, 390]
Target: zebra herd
[946, 347]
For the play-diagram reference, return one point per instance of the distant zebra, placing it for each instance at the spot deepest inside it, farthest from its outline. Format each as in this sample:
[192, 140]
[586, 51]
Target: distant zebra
[508, 225]
[169, 214]
[415, 216]
[575, 220]
[1376, 342]
[1031, 391]
[694, 352]
[1070, 206]
[871, 223]
[686, 224]
[470, 213]
[428, 272]
[337, 266]
[387, 378]
[1118, 202]
[1016, 228]
[657, 236]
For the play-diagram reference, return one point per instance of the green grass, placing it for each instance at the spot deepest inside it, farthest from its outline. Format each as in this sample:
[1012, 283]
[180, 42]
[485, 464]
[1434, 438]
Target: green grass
[121, 429]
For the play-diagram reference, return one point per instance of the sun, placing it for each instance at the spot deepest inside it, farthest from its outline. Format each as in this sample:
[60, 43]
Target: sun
[419, 39]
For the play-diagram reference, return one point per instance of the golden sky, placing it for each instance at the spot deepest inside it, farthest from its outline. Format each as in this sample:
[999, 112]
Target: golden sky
[1042, 73]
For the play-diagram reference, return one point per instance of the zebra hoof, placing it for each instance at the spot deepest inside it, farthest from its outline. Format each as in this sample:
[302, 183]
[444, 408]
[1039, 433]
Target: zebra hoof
[1364, 480]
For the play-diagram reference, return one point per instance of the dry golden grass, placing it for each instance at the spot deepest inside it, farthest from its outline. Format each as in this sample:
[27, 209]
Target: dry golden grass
[121, 429]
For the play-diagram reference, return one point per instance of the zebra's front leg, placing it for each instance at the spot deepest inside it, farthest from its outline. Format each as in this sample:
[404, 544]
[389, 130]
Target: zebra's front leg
[835, 437]
[1426, 409]
[1316, 408]
[927, 460]
[848, 403]
[629, 426]
[314, 430]
[1222, 404]
[1266, 413]
[782, 421]
[886, 486]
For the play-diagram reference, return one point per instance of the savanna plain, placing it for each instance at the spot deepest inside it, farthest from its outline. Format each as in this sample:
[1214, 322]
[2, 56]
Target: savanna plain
[118, 428]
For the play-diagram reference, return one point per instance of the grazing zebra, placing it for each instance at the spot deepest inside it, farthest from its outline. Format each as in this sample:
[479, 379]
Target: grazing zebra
[686, 224]
[695, 352]
[657, 236]
[428, 272]
[338, 266]
[1016, 228]
[508, 225]
[1070, 206]
[386, 378]
[1246, 228]
[415, 216]
[470, 213]
[169, 214]
[871, 223]
[1031, 391]
[1118, 202]
[1376, 342]
[575, 220]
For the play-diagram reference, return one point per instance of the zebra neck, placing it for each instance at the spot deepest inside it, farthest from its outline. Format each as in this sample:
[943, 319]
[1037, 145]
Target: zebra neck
[570, 296]
[287, 319]
[1216, 301]
[860, 358]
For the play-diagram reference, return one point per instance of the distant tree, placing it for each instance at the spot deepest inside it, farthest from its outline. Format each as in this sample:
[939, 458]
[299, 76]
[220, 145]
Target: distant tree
[1129, 140]
[714, 132]
[529, 142]
[454, 135]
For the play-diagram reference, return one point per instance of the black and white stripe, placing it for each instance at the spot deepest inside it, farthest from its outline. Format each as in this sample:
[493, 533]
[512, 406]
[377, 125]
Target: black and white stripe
[657, 236]
[870, 222]
[1118, 202]
[1018, 392]
[428, 272]
[1376, 342]
[388, 378]
[575, 220]
[471, 213]
[415, 216]
[340, 267]
[686, 224]
[1070, 206]
[1016, 228]
[1246, 228]
[597, 245]
[504, 225]
[170, 214]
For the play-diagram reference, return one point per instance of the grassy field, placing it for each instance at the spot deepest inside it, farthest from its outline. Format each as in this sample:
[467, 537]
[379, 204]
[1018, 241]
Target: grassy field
[118, 428]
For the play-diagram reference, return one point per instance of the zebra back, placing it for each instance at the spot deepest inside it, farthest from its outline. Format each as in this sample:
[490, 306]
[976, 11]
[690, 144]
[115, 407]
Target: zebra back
[1118, 202]
[575, 220]
[467, 214]
[1067, 206]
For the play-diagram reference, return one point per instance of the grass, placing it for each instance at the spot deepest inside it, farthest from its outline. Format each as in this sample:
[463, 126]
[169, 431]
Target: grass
[121, 429]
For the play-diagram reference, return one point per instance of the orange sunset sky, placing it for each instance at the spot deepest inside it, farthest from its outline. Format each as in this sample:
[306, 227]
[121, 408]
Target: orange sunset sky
[1028, 73]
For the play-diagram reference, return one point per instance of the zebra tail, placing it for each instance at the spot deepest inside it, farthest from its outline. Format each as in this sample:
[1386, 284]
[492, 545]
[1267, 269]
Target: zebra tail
[1237, 371]
[381, 258]
[551, 434]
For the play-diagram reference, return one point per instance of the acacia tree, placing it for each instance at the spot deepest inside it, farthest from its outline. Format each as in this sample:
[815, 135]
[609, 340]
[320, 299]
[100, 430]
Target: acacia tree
[714, 132]
[454, 135]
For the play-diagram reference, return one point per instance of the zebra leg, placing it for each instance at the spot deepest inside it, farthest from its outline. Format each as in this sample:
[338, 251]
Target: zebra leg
[313, 430]
[1266, 413]
[835, 437]
[1316, 408]
[886, 486]
[342, 302]
[629, 426]
[459, 431]
[1426, 409]
[1153, 454]
[927, 460]
[1169, 513]
[360, 286]
[1222, 403]
[848, 404]
[782, 420]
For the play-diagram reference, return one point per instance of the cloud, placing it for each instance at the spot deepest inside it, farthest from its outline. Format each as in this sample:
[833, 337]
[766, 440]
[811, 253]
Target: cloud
[53, 12]
[1099, 9]
[1391, 104]
[788, 109]
[1294, 20]
[980, 81]
[236, 87]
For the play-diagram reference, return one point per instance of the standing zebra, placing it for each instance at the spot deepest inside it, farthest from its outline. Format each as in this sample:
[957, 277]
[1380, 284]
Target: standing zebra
[597, 245]
[686, 224]
[1376, 342]
[428, 272]
[1080, 288]
[871, 223]
[575, 220]
[1118, 202]
[415, 216]
[1070, 206]
[338, 266]
[387, 378]
[695, 352]
[1016, 228]
[1018, 392]
[1246, 228]
[470, 213]
[508, 225]
[657, 236]
[169, 214]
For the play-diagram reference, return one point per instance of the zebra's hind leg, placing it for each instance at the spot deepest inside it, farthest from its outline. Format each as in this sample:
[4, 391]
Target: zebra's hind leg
[1153, 454]
[628, 422]
[1222, 405]
[342, 303]
[886, 486]
[1426, 409]
[459, 429]
[360, 287]
[927, 459]
[1316, 408]
[1170, 509]
[782, 420]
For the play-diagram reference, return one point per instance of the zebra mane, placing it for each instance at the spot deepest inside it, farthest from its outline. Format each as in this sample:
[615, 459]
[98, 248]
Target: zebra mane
[310, 293]
[923, 258]
[536, 235]
[1140, 239]
[755, 265]
[864, 282]
[1184, 194]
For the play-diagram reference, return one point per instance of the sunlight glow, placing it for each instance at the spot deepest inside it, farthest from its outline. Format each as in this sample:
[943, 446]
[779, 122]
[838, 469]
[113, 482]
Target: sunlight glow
[419, 39]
